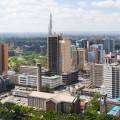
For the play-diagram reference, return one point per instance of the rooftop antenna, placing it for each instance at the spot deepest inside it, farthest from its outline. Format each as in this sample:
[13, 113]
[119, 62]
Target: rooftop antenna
[50, 25]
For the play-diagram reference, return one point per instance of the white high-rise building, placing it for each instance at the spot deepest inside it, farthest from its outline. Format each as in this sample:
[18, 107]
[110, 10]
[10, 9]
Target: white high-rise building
[112, 80]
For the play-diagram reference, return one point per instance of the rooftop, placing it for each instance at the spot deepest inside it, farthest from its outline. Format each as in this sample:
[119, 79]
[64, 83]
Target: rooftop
[43, 95]
[51, 77]
[58, 97]
[117, 100]
[64, 97]
[114, 111]
[23, 66]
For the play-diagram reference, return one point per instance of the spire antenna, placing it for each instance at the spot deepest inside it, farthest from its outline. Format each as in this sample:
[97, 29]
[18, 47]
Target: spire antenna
[50, 24]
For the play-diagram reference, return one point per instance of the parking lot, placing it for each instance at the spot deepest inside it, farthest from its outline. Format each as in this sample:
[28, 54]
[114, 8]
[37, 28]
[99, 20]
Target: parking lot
[16, 100]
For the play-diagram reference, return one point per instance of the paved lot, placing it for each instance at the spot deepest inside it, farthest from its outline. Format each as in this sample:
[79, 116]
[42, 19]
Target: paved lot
[16, 100]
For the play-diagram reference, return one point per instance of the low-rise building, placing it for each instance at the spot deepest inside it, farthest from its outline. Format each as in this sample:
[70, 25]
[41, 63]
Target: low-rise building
[13, 77]
[52, 81]
[61, 102]
[21, 93]
[31, 80]
[27, 80]
[29, 70]
[5, 84]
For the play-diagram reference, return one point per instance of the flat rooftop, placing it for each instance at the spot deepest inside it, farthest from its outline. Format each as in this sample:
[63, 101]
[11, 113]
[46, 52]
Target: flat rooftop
[114, 111]
[51, 77]
[43, 95]
[116, 100]
[58, 97]
[64, 97]
[23, 66]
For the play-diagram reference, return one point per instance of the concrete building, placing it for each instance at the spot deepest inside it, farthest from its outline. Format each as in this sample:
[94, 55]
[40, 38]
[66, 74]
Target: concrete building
[99, 48]
[27, 80]
[3, 59]
[52, 81]
[96, 74]
[13, 77]
[70, 77]
[94, 56]
[30, 76]
[29, 70]
[68, 61]
[21, 93]
[65, 55]
[112, 80]
[5, 84]
[80, 58]
[61, 102]
[31, 80]
[110, 58]
[74, 56]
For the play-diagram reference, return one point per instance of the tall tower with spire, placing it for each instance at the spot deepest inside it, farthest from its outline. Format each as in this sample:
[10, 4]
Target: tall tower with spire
[53, 51]
[50, 25]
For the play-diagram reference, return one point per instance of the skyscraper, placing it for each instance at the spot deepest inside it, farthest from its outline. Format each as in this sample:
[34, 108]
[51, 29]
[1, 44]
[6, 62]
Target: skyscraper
[3, 58]
[54, 54]
[96, 74]
[74, 56]
[65, 55]
[101, 51]
[109, 45]
[50, 25]
[80, 58]
[112, 80]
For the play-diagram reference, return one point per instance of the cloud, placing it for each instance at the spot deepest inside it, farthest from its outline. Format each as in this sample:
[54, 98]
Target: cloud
[107, 4]
[33, 16]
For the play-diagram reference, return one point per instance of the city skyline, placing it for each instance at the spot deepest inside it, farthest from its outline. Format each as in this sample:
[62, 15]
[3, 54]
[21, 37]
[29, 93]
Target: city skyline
[68, 16]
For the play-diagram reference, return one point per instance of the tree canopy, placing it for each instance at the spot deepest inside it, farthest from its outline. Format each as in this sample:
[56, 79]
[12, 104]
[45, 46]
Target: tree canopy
[10, 111]
[32, 59]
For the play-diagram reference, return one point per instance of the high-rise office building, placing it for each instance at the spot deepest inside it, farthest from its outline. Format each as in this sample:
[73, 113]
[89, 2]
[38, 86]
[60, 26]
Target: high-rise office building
[74, 56]
[65, 55]
[80, 58]
[61, 56]
[96, 74]
[94, 56]
[68, 61]
[99, 48]
[54, 54]
[109, 45]
[3, 58]
[83, 43]
[112, 80]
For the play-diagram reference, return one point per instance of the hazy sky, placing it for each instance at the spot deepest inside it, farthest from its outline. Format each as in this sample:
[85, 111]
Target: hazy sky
[68, 15]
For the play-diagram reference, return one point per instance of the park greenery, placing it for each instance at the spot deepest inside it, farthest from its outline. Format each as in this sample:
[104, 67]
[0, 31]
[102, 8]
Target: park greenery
[26, 59]
[10, 111]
